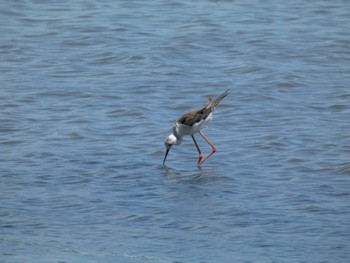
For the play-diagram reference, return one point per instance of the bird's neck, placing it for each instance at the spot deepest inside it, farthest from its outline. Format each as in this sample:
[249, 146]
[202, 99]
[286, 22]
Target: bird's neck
[178, 138]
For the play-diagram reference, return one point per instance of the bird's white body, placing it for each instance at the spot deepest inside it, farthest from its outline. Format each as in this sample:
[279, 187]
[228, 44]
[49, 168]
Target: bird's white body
[180, 130]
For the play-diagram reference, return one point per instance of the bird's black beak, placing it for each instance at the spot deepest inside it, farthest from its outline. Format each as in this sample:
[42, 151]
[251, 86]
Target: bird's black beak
[166, 154]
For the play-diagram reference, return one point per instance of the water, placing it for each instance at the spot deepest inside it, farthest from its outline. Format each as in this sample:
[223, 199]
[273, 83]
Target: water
[89, 91]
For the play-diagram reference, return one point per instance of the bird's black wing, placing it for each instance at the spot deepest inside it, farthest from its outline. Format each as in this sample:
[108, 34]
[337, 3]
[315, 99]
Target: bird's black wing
[196, 116]
[193, 117]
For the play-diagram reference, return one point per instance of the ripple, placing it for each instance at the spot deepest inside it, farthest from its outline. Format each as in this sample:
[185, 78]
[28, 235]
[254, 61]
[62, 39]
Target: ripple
[90, 89]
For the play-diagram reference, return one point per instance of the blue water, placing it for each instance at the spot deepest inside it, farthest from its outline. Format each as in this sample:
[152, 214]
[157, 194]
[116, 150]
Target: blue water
[90, 89]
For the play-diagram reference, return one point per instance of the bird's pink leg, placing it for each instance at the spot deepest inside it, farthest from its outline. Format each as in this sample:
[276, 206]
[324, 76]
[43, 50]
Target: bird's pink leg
[212, 146]
[199, 151]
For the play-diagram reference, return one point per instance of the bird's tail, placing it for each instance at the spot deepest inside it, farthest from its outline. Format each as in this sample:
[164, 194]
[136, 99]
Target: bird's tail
[213, 103]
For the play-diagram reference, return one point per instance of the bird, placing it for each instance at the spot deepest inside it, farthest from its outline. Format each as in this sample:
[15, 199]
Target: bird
[191, 123]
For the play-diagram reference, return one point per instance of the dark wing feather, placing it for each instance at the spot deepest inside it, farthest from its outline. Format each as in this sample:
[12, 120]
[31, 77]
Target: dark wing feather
[214, 103]
[195, 116]
[192, 117]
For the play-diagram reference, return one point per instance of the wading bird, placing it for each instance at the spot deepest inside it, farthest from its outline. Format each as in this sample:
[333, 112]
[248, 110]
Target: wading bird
[191, 123]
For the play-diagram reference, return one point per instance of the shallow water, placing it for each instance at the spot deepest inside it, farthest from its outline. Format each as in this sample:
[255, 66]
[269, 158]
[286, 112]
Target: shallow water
[90, 89]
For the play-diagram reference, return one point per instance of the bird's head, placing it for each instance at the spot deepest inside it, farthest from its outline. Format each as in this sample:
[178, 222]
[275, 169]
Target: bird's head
[169, 142]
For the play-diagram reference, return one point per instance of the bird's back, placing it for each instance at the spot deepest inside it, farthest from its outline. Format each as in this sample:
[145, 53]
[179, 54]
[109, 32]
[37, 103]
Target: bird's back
[195, 116]
[193, 121]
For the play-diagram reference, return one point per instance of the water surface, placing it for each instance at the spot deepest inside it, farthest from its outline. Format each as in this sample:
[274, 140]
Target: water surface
[90, 89]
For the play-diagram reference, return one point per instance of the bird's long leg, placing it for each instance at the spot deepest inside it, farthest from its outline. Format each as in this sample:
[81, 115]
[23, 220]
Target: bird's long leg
[199, 150]
[212, 146]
